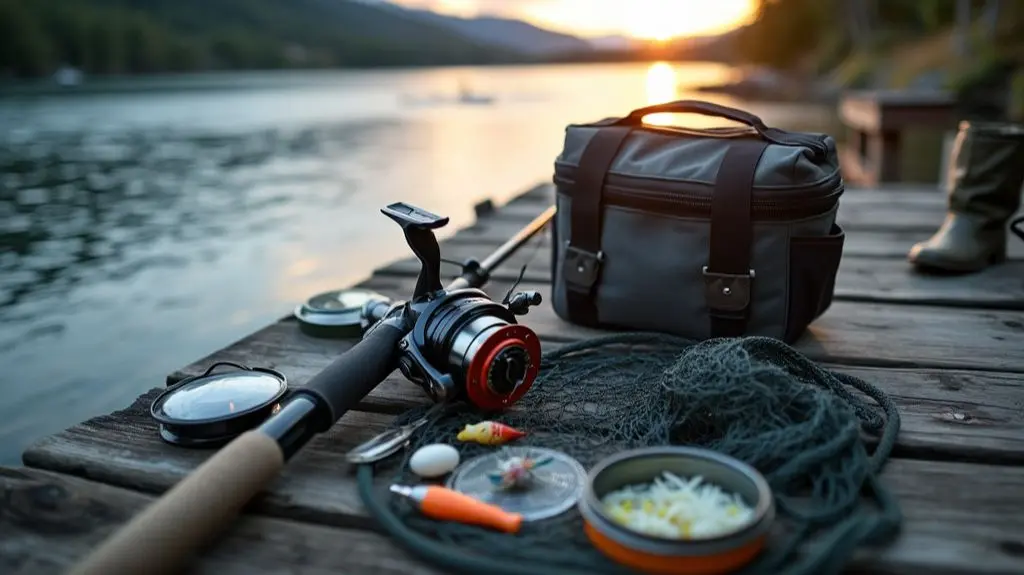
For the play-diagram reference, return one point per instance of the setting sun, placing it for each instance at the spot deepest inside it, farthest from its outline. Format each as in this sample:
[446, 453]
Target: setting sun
[666, 19]
[643, 19]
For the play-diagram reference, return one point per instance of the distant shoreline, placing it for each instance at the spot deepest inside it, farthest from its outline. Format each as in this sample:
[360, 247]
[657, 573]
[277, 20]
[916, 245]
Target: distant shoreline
[45, 85]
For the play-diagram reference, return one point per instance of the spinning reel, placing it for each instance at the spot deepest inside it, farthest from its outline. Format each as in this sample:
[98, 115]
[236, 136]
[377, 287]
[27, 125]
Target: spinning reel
[455, 342]
[450, 341]
[458, 341]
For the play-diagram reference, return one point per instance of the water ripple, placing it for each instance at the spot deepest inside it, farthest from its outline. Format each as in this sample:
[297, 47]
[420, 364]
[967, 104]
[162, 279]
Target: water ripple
[76, 204]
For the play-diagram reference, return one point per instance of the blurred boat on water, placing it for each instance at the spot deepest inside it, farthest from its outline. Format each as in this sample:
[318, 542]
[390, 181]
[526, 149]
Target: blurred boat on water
[68, 77]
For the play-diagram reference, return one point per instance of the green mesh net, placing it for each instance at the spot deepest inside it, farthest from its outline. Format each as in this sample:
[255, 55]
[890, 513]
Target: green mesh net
[809, 430]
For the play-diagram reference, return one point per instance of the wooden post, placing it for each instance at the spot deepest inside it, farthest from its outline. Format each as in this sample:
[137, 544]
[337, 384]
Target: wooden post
[887, 153]
[876, 121]
[963, 28]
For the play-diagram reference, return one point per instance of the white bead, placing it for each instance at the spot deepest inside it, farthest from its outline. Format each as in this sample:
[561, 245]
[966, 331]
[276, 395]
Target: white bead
[434, 460]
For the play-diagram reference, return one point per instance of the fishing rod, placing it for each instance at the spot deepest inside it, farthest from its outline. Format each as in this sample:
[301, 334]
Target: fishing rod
[453, 342]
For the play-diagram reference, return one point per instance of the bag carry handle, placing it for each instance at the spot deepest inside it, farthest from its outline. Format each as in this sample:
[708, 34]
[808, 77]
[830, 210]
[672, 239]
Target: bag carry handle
[698, 107]
[773, 135]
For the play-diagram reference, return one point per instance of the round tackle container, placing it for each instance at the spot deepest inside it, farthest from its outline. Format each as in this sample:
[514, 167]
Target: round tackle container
[668, 556]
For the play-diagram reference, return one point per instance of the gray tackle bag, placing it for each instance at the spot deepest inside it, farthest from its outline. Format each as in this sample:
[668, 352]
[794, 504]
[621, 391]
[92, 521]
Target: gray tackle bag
[719, 232]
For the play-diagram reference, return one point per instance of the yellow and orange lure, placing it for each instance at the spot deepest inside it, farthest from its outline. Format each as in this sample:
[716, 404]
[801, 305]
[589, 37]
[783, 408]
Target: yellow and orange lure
[489, 433]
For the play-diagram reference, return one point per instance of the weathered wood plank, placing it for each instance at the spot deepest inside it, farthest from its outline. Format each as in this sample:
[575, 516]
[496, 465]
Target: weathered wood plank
[860, 278]
[976, 522]
[856, 211]
[49, 521]
[855, 220]
[859, 210]
[492, 232]
[989, 539]
[855, 333]
[124, 449]
[968, 415]
[903, 193]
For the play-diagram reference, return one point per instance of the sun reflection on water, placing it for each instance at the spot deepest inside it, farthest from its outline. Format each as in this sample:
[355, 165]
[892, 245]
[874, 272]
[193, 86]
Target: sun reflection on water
[662, 86]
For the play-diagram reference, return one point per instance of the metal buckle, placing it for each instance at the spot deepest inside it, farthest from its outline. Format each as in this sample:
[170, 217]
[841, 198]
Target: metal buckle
[727, 292]
[581, 268]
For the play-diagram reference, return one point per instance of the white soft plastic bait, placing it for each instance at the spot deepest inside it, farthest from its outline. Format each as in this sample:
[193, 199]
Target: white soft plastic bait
[677, 508]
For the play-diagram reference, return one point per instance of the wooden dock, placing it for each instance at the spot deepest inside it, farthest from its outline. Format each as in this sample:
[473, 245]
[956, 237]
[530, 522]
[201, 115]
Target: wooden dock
[950, 350]
[877, 120]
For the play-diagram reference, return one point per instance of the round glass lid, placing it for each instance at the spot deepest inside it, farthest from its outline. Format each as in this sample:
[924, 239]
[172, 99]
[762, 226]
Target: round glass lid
[219, 396]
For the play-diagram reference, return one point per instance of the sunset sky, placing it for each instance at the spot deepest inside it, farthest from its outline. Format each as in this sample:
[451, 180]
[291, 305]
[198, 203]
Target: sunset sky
[651, 19]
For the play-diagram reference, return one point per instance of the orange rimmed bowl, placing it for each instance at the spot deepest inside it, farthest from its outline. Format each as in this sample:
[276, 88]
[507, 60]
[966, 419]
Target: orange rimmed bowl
[664, 556]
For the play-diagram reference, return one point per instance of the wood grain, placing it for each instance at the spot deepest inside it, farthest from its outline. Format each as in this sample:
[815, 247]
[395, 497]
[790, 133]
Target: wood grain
[975, 522]
[860, 210]
[124, 449]
[880, 222]
[489, 233]
[955, 375]
[860, 278]
[950, 414]
[936, 496]
[855, 214]
[851, 333]
[49, 521]
[905, 194]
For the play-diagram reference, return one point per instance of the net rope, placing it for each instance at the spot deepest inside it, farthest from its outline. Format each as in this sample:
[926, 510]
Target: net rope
[819, 437]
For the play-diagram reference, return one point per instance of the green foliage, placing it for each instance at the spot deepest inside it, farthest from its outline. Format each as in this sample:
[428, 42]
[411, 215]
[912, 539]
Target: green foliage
[786, 30]
[988, 69]
[149, 36]
[824, 34]
[856, 72]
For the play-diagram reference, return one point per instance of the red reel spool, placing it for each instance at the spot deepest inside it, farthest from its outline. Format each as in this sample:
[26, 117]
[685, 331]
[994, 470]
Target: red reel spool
[505, 339]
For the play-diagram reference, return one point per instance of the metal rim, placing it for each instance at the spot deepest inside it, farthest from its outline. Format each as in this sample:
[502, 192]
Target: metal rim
[339, 322]
[178, 423]
[764, 510]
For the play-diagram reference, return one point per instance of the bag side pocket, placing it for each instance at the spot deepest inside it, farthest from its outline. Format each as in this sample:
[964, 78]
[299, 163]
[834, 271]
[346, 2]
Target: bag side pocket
[813, 266]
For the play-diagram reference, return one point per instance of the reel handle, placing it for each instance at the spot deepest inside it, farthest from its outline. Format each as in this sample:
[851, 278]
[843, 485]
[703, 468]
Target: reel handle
[419, 225]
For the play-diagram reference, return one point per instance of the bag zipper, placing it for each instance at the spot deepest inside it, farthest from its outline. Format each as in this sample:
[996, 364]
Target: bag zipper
[687, 204]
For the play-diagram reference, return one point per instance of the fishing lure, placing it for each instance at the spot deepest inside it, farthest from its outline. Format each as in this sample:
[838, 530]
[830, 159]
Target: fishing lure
[489, 433]
[517, 472]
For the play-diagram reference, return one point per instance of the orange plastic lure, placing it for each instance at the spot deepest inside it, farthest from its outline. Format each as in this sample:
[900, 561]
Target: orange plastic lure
[489, 433]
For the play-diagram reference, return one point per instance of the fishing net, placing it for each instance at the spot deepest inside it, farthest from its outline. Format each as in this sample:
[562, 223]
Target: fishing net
[808, 430]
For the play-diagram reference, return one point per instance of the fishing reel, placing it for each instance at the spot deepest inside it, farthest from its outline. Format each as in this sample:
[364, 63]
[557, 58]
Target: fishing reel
[459, 341]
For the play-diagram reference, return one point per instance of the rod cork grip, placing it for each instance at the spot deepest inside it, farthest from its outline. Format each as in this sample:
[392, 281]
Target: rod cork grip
[449, 505]
[344, 383]
[188, 517]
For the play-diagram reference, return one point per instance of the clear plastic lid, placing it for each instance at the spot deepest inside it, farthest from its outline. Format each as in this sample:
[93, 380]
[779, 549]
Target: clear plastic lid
[220, 395]
[555, 487]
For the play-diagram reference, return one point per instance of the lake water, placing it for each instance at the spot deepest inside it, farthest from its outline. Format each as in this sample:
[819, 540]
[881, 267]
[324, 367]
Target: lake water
[145, 223]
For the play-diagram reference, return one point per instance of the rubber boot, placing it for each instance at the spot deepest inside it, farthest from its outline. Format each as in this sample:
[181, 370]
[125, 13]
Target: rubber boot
[984, 191]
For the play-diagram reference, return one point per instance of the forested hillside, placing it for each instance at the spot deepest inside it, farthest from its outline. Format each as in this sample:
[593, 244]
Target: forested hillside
[149, 36]
[868, 38]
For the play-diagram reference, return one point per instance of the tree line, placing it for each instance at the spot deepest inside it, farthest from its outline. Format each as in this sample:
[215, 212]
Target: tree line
[150, 36]
[786, 31]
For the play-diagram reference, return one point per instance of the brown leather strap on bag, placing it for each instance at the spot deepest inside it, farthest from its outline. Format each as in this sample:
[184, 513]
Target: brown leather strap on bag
[728, 277]
[583, 256]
